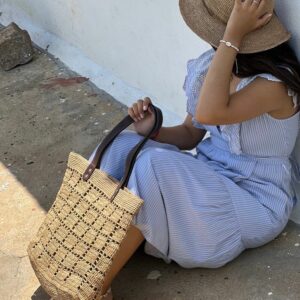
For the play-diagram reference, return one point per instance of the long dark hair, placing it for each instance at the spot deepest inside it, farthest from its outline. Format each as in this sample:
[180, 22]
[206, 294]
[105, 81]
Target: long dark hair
[280, 61]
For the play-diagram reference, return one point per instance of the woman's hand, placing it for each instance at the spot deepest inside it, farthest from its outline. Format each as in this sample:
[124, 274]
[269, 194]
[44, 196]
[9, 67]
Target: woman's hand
[247, 16]
[143, 116]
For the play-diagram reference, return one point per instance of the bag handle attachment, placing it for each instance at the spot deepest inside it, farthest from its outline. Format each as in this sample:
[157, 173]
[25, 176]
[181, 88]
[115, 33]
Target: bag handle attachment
[130, 160]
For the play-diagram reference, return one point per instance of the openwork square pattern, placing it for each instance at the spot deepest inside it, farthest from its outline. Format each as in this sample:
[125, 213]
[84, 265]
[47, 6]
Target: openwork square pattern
[81, 233]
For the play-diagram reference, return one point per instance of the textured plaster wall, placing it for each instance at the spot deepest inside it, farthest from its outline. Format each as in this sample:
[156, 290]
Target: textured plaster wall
[144, 43]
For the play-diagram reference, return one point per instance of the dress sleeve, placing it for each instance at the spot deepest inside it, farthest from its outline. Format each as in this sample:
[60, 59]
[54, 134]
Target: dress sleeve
[272, 78]
[196, 71]
[245, 81]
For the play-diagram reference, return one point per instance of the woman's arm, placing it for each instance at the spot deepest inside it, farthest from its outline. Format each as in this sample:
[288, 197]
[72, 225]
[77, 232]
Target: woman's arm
[184, 136]
[215, 105]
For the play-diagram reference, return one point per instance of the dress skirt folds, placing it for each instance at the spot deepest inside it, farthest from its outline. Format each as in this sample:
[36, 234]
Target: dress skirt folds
[235, 192]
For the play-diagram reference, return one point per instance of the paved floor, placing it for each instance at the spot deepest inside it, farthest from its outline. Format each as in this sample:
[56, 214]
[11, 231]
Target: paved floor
[45, 112]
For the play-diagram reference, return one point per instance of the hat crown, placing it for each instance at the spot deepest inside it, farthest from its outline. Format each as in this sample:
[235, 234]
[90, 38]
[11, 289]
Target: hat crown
[222, 9]
[209, 18]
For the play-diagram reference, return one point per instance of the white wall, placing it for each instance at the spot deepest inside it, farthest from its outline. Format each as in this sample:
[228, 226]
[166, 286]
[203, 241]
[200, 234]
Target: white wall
[144, 43]
[129, 48]
[289, 12]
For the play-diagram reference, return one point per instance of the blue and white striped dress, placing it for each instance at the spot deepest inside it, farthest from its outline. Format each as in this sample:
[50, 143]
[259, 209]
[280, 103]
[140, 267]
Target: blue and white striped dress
[204, 209]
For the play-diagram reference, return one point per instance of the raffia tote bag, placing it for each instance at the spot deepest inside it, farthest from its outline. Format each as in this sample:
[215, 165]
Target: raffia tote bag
[75, 245]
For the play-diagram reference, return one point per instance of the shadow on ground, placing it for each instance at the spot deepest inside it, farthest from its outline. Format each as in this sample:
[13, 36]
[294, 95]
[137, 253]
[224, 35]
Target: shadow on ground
[43, 117]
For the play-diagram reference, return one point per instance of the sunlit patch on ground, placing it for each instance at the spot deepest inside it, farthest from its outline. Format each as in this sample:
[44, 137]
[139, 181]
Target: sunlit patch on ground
[20, 217]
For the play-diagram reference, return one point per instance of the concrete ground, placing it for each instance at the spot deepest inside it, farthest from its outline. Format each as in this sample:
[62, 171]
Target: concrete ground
[45, 112]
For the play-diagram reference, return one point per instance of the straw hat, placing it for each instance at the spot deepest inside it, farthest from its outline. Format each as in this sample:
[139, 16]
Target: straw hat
[208, 19]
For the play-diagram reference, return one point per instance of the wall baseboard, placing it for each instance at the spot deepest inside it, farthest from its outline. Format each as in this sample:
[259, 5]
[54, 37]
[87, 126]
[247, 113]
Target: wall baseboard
[78, 62]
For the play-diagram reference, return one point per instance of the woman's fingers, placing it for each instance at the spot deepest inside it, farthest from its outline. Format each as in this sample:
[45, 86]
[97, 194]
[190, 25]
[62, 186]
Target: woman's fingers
[138, 109]
[140, 104]
[238, 2]
[248, 2]
[132, 114]
[147, 101]
[256, 3]
[262, 21]
[262, 9]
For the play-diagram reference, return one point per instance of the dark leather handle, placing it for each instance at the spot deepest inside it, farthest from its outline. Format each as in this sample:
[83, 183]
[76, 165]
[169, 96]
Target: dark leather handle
[108, 139]
[96, 161]
[135, 151]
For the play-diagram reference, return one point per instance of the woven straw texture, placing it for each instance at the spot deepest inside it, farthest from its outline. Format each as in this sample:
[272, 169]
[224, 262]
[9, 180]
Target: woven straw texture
[208, 19]
[81, 233]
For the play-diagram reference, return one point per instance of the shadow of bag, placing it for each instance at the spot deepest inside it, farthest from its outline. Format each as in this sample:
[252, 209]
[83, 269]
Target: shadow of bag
[75, 245]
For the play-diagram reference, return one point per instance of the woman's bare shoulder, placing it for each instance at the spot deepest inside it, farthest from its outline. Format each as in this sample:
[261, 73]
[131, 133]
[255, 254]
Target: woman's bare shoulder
[276, 92]
[251, 100]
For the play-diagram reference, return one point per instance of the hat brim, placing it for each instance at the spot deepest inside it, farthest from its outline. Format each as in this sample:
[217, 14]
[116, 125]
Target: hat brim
[211, 29]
